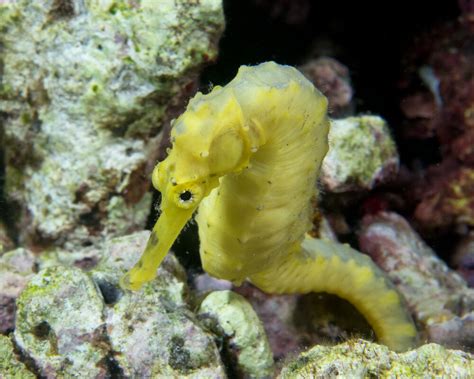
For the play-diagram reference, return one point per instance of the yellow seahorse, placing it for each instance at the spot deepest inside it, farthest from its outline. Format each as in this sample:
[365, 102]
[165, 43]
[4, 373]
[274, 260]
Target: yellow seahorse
[248, 154]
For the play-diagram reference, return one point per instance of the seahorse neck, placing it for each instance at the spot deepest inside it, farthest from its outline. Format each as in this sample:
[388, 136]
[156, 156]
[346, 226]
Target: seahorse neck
[288, 142]
[264, 209]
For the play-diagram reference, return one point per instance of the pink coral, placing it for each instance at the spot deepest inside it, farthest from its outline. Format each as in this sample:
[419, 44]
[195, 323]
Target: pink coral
[332, 79]
[447, 196]
[445, 192]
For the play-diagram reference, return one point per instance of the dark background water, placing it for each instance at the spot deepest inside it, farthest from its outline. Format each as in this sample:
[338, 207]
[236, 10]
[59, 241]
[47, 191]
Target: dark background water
[370, 37]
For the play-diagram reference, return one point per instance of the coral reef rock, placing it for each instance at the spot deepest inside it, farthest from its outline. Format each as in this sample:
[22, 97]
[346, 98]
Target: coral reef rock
[463, 258]
[294, 322]
[73, 317]
[277, 313]
[204, 283]
[16, 268]
[230, 315]
[333, 80]
[6, 243]
[362, 359]
[446, 194]
[10, 366]
[152, 331]
[85, 88]
[438, 297]
[154, 337]
[438, 88]
[60, 324]
[361, 154]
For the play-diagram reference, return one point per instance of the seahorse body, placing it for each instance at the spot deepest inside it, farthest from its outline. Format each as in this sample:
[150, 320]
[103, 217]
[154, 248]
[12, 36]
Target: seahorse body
[248, 154]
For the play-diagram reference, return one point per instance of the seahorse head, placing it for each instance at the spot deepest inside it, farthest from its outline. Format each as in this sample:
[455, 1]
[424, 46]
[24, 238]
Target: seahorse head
[209, 140]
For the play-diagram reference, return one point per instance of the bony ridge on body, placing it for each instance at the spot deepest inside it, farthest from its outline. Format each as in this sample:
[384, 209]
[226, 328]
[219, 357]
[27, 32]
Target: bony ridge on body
[247, 157]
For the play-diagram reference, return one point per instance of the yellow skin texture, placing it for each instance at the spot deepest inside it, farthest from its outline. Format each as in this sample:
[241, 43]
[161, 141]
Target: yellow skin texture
[248, 154]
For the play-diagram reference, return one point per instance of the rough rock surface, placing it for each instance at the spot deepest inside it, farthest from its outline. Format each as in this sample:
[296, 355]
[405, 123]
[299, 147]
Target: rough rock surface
[85, 87]
[463, 259]
[362, 359]
[361, 154]
[6, 243]
[60, 324]
[16, 268]
[203, 284]
[438, 83]
[70, 320]
[446, 194]
[10, 366]
[231, 316]
[294, 322]
[176, 345]
[438, 297]
[333, 80]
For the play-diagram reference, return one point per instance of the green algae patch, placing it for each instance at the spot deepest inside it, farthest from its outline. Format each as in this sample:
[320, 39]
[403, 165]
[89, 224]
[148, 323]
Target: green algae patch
[361, 154]
[60, 324]
[362, 359]
[71, 320]
[153, 331]
[10, 366]
[86, 86]
[232, 317]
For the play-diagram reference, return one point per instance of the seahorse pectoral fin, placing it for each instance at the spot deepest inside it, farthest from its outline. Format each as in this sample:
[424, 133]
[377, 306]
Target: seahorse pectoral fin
[164, 233]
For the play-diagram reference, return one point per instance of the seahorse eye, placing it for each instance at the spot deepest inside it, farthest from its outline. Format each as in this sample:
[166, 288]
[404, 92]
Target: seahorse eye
[185, 196]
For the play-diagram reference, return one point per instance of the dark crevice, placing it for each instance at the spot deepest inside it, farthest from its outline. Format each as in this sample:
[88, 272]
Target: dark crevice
[61, 9]
[42, 330]
[91, 219]
[329, 317]
[224, 345]
[113, 368]
[179, 357]
[27, 360]
[110, 292]
[229, 359]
